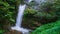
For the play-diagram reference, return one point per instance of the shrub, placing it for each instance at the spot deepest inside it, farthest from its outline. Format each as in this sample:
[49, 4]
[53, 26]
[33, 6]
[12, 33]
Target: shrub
[51, 28]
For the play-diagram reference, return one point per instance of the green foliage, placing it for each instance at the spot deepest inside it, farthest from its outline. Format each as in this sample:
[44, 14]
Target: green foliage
[7, 13]
[51, 28]
[2, 31]
[54, 30]
[57, 8]
[47, 10]
[7, 10]
[45, 13]
[29, 11]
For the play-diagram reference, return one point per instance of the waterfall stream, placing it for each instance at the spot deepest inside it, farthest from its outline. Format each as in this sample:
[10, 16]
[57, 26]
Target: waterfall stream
[19, 20]
[20, 15]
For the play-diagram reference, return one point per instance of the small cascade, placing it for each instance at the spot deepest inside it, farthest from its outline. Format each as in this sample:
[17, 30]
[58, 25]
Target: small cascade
[19, 20]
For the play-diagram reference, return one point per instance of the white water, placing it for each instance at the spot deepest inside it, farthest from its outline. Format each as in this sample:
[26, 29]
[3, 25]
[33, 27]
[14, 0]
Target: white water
[20, 15]
[19, 20]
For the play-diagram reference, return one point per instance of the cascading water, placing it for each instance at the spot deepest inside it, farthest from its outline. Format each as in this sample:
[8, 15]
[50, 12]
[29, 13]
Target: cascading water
[19, 20]
[20, 15]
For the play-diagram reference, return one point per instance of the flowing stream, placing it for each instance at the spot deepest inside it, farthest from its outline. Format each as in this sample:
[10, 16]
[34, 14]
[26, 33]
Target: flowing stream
[19, 20]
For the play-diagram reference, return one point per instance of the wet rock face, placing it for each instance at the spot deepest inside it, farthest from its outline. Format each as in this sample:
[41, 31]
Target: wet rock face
[13, 32]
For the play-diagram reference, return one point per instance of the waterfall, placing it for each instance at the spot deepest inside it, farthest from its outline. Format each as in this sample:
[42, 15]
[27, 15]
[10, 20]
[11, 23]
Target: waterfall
[19, 20]
[20, 15]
